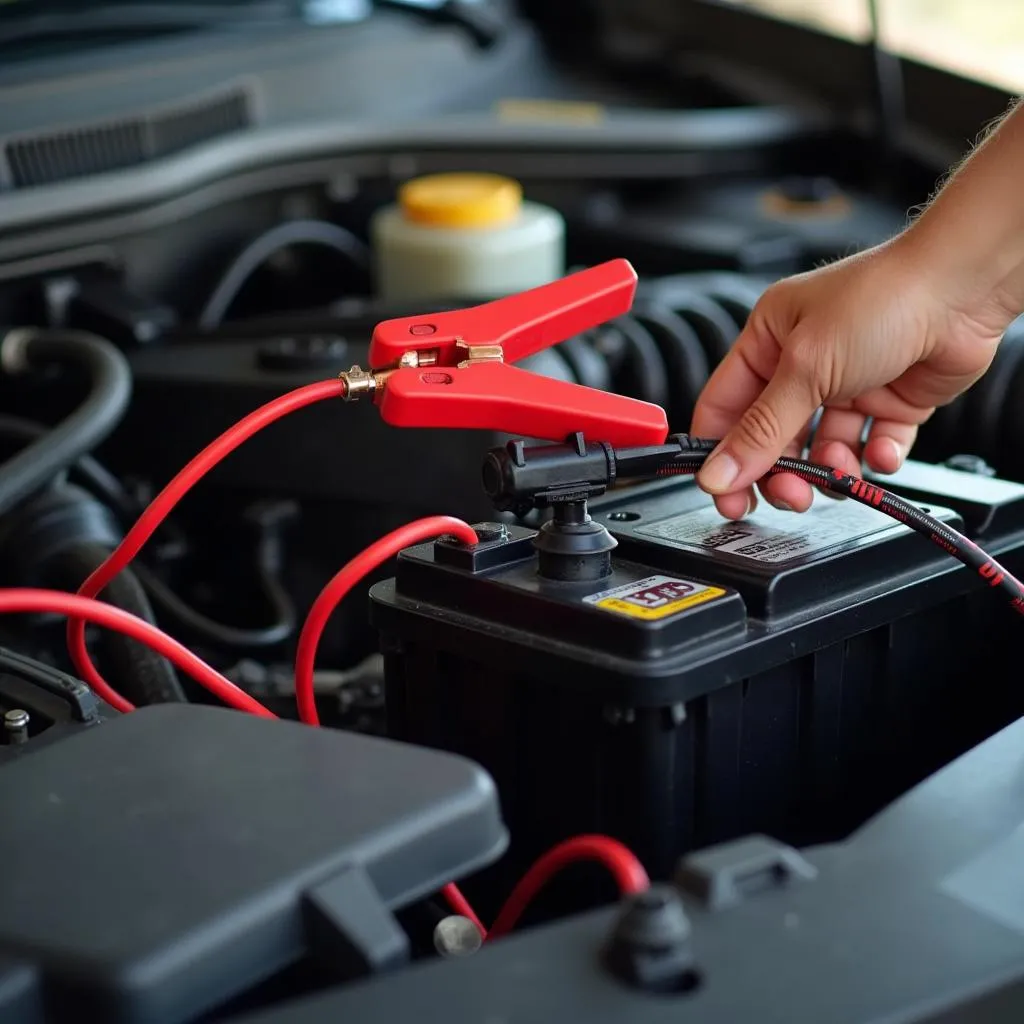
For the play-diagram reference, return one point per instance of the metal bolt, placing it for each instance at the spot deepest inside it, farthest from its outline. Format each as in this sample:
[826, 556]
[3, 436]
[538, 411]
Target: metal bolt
[16, 725]
[457, 936]
[488, 532]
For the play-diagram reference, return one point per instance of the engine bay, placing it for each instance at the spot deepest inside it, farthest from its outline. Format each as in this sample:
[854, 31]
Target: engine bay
[525, 634]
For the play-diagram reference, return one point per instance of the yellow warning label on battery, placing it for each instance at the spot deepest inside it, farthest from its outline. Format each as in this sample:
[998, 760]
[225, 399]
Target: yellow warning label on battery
[656, 597]
[550, 111]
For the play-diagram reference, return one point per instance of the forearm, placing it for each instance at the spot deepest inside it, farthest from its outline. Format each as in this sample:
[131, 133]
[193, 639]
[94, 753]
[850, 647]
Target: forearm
[973, 232]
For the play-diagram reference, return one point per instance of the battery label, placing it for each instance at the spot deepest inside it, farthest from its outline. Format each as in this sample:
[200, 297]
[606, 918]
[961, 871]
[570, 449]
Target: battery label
[770, 535]
[656, 597]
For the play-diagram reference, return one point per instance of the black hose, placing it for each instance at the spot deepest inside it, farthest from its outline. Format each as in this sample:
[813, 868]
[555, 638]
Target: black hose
[135, 671]
[105, 486]
[88, 426]
[261, 249]
[282, 613]
[90, 473]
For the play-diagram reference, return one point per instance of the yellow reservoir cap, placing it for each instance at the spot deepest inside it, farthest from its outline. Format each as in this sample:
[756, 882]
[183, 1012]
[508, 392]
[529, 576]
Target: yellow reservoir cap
[461, 200]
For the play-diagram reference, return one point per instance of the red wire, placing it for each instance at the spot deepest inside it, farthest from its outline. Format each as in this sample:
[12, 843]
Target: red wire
[82, 608]
[24, 600]
[460, 905]
[328, 600]
[346, 578]
[86, 609]
[164, 503]
[628, 872]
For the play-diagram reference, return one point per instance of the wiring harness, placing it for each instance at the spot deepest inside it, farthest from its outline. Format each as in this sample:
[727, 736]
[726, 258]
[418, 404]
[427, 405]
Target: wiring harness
[683, 456]
[83, 608]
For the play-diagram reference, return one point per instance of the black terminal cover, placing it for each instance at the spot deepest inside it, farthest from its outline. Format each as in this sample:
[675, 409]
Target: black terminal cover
[158, 865]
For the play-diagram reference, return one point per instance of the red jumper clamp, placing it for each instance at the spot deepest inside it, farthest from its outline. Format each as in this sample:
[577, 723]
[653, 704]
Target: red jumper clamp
[453, 369]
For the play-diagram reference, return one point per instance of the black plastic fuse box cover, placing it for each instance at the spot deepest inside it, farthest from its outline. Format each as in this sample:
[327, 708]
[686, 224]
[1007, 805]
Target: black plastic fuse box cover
[786, 674]
[163, 863]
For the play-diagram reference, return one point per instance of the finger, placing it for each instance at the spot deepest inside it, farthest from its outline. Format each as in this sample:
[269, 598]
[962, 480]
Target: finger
[769, 424]
[889, 444]
[733, 386]
[886, 404]
[843, 427]
[839, 443]
[836, 455]
[738, 505]
[786, 491]
[729, 392]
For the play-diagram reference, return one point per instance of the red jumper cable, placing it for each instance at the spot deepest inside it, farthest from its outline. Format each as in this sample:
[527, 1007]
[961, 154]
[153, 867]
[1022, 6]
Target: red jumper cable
[445, 370]
[453, 370]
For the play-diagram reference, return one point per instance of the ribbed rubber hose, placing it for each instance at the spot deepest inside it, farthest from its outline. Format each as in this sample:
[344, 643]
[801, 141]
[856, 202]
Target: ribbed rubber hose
[88, 426]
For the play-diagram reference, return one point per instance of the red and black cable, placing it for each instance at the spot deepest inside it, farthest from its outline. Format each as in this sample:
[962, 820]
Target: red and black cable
[871, 494]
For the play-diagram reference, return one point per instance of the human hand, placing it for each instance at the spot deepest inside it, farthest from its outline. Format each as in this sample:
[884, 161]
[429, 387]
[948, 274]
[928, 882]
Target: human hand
[888, 334]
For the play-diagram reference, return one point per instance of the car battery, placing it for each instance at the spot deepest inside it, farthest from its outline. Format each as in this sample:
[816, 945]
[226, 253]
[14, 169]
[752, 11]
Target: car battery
[786, 674]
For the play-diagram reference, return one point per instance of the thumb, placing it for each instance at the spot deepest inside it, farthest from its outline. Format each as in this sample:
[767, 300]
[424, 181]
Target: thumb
[774, 419]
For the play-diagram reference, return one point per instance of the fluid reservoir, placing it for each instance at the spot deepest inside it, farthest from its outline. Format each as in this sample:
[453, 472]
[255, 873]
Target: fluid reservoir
[465, 236]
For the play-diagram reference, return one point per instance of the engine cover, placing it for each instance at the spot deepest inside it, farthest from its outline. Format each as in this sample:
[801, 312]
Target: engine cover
[159, 865]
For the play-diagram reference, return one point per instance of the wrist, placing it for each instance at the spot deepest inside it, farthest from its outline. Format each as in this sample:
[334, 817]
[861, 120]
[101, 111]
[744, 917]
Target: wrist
[971, 237]
[974, 267]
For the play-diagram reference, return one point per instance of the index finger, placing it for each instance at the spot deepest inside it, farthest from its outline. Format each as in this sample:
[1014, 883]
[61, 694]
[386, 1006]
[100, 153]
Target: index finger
[729, 392]
[726, 396]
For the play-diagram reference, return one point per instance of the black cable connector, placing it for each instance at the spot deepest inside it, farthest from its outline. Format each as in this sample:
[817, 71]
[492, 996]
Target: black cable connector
[517, 478]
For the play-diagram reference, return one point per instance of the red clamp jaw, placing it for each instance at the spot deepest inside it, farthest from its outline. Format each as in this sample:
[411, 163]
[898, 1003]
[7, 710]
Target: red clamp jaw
[453, 369]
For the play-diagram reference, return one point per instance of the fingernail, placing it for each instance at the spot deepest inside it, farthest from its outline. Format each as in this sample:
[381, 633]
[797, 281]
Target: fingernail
[896, 452]
[782, 506]
[719, 472]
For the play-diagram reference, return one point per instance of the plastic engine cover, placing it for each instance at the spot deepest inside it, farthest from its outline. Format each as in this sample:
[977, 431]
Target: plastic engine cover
[158, 865]
[786, 674]
[918, 918]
